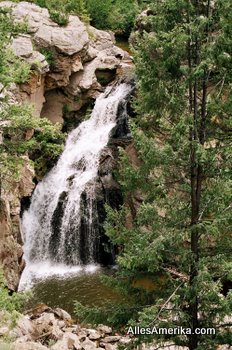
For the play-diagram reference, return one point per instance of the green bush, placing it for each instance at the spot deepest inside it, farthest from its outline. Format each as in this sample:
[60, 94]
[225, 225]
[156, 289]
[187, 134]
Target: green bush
[116, 15]
[124, 15]
[99, 12]
[60, 10]
[49, 55]
[59, 17]
[10, 303]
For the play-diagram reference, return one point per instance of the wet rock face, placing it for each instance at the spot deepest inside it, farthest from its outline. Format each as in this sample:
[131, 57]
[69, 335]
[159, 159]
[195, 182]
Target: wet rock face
[107, 189]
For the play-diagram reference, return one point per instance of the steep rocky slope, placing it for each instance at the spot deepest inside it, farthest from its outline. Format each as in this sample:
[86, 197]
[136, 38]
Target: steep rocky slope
[65, 61]
[65, 65]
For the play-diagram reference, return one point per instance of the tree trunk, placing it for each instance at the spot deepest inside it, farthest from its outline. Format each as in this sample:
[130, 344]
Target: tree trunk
[197, 135]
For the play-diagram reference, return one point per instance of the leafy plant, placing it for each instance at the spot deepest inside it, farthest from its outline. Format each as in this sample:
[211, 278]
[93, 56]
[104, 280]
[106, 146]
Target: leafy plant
[59, 17]
[49, 55]
[11, 303]
[176, 217]
[12, 68]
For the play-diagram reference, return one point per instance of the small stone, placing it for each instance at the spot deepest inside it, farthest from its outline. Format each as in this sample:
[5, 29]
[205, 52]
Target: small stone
[125, 340]
[70, 329]
[61, 324]
[69, 341]
[104, 329]
[111, 339]
[62, 314]
[82, 335]
[88, 345]
[110, 347]
[24, 327]
[93, 335]
[4, 331]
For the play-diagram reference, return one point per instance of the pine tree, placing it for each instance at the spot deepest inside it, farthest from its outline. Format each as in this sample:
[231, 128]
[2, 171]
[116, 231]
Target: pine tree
[182, 135]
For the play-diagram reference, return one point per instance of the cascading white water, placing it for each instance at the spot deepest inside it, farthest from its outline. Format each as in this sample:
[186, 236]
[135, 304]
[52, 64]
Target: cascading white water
[53, 239]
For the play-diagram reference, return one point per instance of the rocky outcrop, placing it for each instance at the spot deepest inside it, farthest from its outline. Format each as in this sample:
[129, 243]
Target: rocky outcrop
[64, 60]
[10, 236]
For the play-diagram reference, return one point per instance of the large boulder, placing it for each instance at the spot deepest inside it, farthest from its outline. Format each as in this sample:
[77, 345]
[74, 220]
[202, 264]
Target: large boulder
[67, 40]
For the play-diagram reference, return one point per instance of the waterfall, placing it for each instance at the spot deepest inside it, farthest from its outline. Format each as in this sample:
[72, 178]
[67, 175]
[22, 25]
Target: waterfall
[54, 239]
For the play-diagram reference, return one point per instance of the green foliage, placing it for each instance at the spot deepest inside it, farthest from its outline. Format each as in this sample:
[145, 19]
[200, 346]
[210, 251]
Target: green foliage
[60, 10]
[178, 201]
[110, 314]
[12, 69]
[124, 15]
[49, 55]
[11, 303]
[44, 146]
[100, 13]
[16, 120]
[59, 17]
[115, 15]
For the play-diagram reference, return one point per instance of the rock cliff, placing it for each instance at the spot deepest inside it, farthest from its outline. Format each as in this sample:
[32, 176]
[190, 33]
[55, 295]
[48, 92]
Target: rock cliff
[69, 68]
[65, 61]
[10, 235]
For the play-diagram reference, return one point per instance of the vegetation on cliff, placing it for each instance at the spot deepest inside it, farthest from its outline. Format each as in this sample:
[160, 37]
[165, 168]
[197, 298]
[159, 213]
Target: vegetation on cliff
[11, 303]
[21, 131]
[116, 15]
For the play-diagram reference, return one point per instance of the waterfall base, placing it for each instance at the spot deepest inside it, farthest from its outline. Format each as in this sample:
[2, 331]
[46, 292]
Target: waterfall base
[43, 270]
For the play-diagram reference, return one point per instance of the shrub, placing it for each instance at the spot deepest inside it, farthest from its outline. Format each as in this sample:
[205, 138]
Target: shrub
[10, 303]
[59, 17]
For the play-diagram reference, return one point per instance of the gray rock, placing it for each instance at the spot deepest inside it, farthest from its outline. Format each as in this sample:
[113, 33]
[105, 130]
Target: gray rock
[68, 40]
[104, 329]
[38, 61]
[125, 340]
[25, 327]
[33, 14]
[22, 46]
[111, 347]
[94, 335]
[111, 339]
[88, 345]
[3, 331]
[69, 341]
[62, 314]
[82, 335]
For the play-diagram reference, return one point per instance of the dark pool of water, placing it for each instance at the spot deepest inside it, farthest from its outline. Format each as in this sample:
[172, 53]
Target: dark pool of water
[122, 42]
[86, 288]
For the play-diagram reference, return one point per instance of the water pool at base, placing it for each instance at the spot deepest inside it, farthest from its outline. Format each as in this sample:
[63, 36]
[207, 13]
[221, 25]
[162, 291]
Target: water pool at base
[62, 292]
